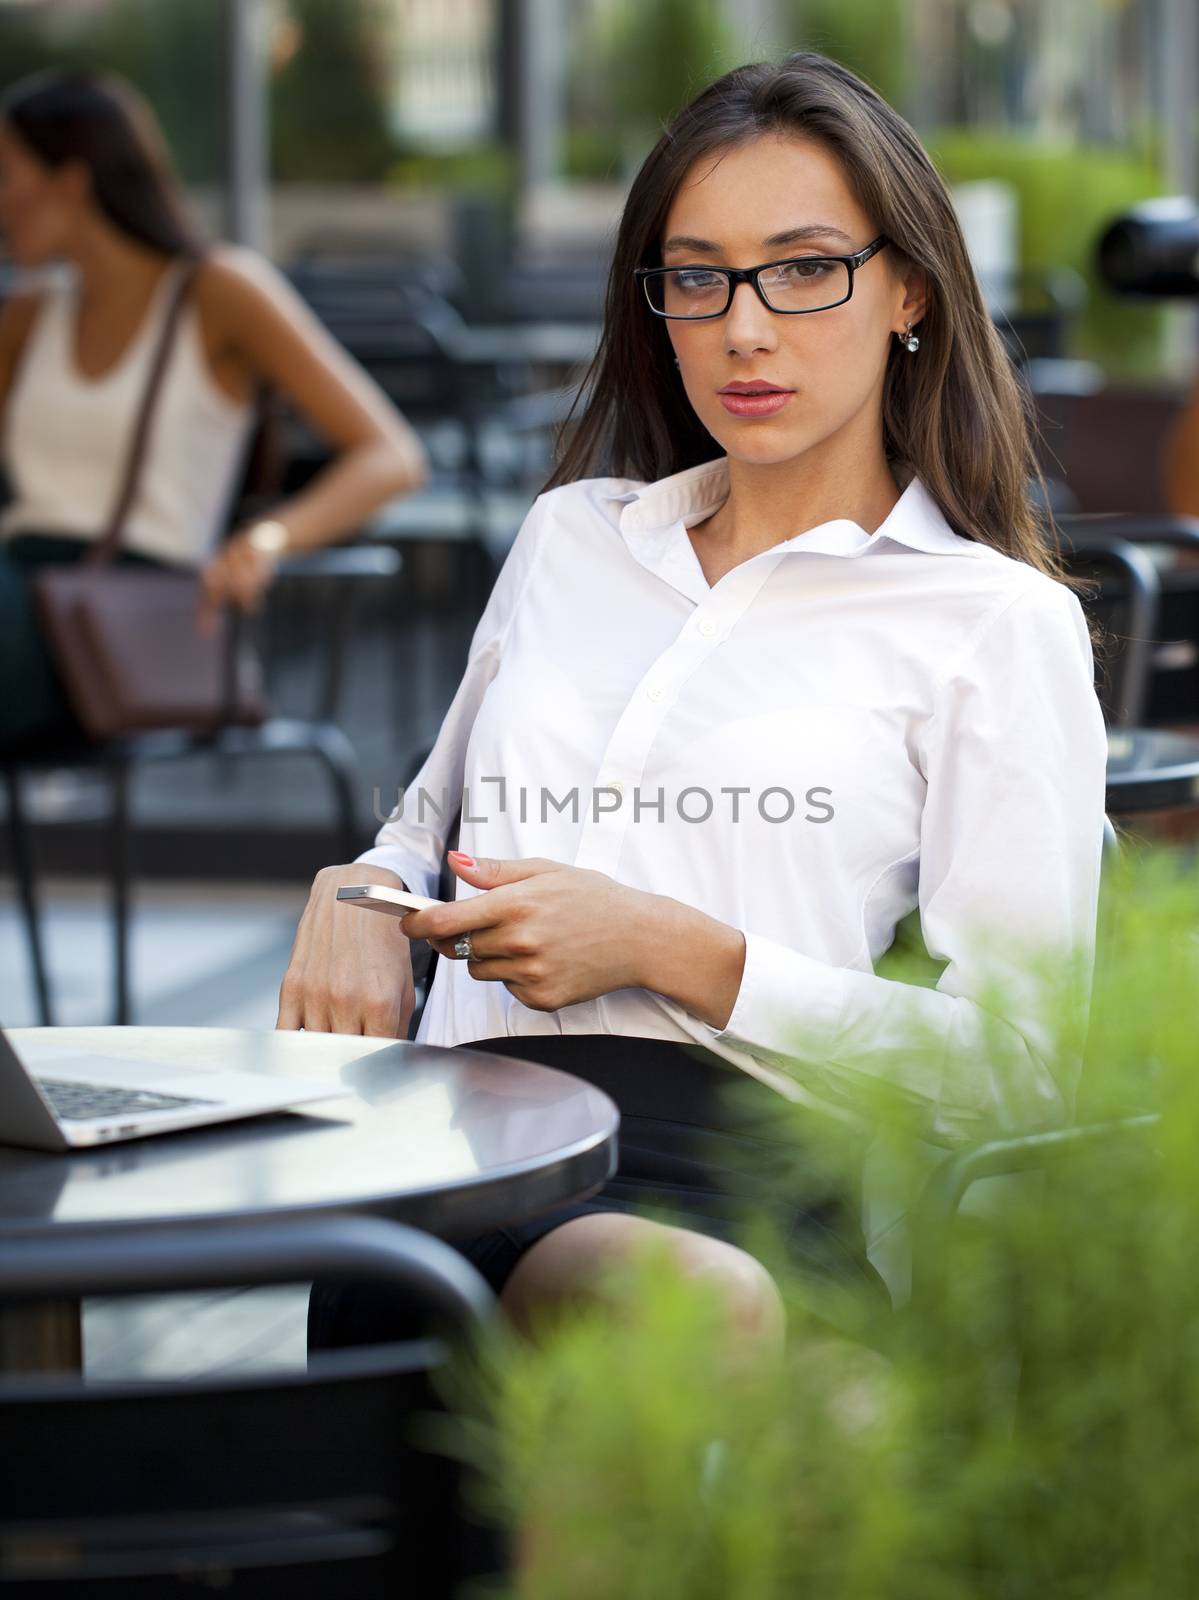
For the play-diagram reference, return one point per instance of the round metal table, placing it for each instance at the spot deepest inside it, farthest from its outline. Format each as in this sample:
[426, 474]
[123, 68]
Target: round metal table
[453, 1141]
[1150, 769]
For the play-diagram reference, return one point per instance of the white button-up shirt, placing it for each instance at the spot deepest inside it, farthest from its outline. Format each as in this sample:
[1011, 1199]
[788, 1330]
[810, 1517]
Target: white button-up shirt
[844, 727]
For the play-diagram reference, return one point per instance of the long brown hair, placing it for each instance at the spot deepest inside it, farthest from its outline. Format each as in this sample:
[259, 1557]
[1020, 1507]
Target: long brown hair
[955, 415]
[102, 122]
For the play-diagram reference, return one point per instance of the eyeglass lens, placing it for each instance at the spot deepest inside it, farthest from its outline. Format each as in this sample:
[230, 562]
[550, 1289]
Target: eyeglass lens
[792, 286]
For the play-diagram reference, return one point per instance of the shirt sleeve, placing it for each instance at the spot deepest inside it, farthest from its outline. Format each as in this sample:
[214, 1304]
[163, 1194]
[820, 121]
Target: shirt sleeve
[412, 840]
[1011, 841]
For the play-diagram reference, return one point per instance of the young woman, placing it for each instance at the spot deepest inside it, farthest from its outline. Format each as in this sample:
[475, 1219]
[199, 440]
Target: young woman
[785, 626]
[85, 180]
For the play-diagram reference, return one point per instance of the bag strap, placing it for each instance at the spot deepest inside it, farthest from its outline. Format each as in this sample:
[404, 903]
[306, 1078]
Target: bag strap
[109, 543]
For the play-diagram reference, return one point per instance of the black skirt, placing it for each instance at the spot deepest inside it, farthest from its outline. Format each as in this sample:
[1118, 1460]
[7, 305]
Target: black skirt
[701, 1145]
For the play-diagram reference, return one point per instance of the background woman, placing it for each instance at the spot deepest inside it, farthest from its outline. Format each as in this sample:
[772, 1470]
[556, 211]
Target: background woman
[786, 624]
[85, 179]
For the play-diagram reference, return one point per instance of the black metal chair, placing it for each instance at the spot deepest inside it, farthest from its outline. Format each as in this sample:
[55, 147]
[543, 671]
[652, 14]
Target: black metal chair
[401, 331]
[1150, 768]
[402, 315]
[1172, 690]
[937, 1206]
[1126, 603]
[310, 1483]
[1048, 301]
[331, 264]
[562, 286]
[345, 569]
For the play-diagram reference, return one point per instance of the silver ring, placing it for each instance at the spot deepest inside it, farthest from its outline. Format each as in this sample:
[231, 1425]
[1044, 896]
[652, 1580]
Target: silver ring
[462, 947]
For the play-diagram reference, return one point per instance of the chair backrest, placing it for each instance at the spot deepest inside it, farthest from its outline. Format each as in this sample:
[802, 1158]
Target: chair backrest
[306, 1483]
[553, 291]
[1173, 678]
[332, 259]
[1127, 606]
[1136, 528]
[1035, 310]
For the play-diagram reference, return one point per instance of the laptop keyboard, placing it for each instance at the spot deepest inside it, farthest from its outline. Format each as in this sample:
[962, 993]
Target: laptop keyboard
[83, 1102]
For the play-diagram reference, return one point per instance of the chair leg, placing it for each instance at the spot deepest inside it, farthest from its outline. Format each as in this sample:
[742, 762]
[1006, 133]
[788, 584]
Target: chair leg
[340, 632]
[119, 845]
[418, 1010]
[22, 855]
[334, 750]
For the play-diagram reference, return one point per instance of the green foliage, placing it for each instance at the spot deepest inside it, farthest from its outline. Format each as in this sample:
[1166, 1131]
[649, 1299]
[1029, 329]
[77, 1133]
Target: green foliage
[173, 53]
[650, 57]
[592, 154]
[629, 76]
[329, 101]
[1067, 195]
[869, 37]
[665, 52]
[1025, 1428]
[484, 169]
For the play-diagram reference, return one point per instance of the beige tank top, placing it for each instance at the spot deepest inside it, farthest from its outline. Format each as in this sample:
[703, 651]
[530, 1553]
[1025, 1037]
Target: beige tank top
[66, 437]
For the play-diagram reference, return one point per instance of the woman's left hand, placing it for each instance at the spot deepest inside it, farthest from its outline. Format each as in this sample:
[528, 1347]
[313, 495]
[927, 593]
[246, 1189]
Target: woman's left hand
[553, 935]
[237, 574]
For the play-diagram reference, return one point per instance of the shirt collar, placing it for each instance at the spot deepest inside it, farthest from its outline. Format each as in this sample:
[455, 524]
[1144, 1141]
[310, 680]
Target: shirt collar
[915, 520]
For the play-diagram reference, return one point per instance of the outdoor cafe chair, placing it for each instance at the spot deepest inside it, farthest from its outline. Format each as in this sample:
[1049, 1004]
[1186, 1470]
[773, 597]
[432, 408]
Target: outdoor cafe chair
[1153, 758]
[953, 1176]
[1172, 689]
[1126, 603]
[948, 1186]
[303, 1483]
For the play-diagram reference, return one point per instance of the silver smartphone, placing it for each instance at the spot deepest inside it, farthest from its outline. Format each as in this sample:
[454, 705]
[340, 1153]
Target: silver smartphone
[381, 897]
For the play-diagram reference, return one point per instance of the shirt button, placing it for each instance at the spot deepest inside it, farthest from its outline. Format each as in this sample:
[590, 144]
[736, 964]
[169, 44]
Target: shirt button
[617, 786]
[654, 692]
[707, 627]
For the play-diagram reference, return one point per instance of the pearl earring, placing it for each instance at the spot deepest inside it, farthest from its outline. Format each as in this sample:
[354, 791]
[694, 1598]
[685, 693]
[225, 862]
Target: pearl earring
[909, 340]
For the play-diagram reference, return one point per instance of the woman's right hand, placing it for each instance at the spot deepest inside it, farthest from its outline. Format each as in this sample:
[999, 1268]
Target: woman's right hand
[236, 575]
[350, 970]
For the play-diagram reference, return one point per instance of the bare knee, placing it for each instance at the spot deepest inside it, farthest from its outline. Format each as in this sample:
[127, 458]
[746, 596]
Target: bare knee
[749, 1294]
[565, 1267]
[568, 1266]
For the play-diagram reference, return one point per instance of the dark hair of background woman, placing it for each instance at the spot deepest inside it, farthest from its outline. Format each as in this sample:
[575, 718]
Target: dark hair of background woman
[956, 415]
[104, 124]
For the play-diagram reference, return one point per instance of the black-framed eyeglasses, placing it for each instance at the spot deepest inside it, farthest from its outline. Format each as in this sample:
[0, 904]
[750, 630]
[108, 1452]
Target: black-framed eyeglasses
[792, 287]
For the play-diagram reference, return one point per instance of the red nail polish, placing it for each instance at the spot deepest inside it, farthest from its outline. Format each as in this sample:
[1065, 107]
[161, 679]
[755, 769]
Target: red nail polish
[461, 855]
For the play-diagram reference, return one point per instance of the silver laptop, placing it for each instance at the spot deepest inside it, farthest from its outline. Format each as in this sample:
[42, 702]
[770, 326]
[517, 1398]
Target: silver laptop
[76, 1100]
